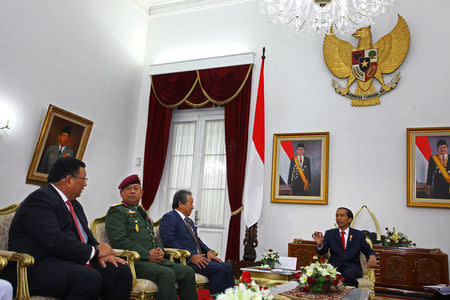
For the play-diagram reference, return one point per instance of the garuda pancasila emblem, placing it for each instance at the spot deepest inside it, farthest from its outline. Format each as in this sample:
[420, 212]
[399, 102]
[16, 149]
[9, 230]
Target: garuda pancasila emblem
[366, 61]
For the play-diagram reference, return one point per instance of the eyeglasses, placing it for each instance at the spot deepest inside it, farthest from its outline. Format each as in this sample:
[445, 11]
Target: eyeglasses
[84, 178]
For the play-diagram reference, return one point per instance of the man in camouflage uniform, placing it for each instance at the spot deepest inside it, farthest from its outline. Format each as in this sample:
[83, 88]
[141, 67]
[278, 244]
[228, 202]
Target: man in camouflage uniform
[130, 228]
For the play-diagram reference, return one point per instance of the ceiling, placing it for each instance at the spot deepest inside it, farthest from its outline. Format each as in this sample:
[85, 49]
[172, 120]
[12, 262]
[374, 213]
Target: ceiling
[157, 7]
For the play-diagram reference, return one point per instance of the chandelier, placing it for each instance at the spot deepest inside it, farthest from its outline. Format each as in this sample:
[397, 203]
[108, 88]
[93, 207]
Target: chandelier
[320, 15]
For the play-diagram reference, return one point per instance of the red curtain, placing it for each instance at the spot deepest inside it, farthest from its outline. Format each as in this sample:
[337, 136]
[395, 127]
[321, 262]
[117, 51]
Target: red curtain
[229, 86]
[156, 141]
[236, 136]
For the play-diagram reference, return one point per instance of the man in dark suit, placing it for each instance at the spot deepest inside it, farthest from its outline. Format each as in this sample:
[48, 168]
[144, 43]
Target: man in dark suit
[177, 230]
[438, 178]
[345, 245]
[300, 172]
[50, 224]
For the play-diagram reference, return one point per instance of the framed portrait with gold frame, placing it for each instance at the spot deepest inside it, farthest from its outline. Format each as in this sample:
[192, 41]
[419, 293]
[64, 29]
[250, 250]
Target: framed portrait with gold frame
[428, 169]
[63, 134]
[300, 168]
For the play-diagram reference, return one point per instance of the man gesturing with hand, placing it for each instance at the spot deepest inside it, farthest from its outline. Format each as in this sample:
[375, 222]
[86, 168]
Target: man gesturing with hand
[345, 245]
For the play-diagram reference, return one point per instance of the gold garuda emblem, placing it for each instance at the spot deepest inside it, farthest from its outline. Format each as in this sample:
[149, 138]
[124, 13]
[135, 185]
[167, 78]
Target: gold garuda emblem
[367, 61]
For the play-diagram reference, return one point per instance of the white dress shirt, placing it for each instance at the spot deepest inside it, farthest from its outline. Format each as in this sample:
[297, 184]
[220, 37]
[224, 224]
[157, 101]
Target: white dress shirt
[83, 233]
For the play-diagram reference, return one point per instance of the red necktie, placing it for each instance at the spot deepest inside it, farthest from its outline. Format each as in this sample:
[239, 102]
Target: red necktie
[72, 212]
[343, 238]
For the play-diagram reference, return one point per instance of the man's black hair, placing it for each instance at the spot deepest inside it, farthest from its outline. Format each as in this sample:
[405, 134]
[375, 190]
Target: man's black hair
[349, 212]
[300, 145]
[180, 196]
[441, 142]
[63, 167]
[65, 129]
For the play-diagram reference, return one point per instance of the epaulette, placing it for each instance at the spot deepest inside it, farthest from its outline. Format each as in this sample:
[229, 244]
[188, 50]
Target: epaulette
[116, 204]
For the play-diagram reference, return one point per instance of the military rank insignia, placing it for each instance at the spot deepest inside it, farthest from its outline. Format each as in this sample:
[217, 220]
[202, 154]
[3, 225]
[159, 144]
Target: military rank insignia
[366, 62]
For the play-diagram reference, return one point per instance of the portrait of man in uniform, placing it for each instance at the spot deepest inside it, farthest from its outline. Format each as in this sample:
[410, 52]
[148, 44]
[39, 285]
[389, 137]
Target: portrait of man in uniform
[300, 168]
[428, 169]
[56, 151]
[299, 177]
[63, 134]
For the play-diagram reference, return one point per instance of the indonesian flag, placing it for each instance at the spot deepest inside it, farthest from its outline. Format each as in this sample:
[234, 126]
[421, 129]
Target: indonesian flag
[254, 182]
[286, 154]
[423, 154]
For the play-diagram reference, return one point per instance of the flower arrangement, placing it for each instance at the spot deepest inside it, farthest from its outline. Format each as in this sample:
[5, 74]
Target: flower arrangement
[319, 277]
[270, 257]
[397, 239]
[246, 290]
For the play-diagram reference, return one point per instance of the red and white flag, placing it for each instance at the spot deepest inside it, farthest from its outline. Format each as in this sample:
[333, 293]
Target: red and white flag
[254, 181]
[423, 154]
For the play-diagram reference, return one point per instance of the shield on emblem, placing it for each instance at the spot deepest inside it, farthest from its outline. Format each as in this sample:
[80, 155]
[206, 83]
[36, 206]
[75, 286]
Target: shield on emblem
[364, 63]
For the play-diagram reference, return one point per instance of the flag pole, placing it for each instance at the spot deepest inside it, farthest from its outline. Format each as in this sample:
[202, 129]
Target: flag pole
[251, 233]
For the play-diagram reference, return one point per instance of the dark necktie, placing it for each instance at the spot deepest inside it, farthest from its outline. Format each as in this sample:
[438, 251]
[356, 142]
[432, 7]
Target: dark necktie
[343, 238]
[186, 219]
[72, 212]
[60, 150]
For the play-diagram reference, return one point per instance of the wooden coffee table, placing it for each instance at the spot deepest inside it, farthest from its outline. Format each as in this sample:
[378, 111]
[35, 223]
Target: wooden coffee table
[270, 277]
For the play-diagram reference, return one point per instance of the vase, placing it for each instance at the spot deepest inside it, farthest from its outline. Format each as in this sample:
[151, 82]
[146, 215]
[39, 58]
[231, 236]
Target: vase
[271, 264]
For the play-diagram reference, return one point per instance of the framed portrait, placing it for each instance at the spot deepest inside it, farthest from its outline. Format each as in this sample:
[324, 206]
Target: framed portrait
[63, 134]
[300, 168]
[428, 168]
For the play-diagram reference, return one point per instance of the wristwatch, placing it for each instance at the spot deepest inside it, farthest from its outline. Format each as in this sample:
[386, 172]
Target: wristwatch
[97, 252]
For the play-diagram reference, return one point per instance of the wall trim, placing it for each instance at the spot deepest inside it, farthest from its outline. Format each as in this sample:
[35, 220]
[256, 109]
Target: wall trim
[166, 8]
[203, 63]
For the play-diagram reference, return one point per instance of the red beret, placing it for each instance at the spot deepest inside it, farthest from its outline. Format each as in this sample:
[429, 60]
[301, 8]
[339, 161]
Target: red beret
[132, 179]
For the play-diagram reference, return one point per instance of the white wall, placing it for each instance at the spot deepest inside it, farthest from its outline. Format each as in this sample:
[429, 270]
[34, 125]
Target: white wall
[367, 145]
[85, 57]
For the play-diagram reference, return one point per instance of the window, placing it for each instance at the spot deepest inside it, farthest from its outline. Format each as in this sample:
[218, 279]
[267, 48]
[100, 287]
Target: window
[196, 161]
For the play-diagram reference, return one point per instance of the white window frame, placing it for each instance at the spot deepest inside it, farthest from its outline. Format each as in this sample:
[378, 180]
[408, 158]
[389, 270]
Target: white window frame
[200, 116]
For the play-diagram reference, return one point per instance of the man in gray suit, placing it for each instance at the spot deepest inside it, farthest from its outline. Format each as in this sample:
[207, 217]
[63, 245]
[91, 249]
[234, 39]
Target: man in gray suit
[57, 151]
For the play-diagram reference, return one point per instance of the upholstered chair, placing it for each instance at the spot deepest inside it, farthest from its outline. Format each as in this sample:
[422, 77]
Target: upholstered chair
[201, 280]
[142, 288]
[367, 282]
[23, 260]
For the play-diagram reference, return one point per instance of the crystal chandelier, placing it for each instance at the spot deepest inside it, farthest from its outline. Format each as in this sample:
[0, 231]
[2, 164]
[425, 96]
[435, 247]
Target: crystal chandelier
[320, 15]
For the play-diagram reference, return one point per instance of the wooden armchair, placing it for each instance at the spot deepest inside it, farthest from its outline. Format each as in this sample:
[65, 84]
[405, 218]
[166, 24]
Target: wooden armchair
[142, 288]
[201, 280]
[367, 282]
[23, 260]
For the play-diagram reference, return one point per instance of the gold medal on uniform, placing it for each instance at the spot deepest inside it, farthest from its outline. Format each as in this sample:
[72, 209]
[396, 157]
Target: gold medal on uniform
[137, 228]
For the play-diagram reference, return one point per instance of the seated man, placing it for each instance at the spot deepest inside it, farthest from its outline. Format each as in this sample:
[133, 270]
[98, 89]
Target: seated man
[178, 231]
[345, 245]
[130, 228]
[50, 225]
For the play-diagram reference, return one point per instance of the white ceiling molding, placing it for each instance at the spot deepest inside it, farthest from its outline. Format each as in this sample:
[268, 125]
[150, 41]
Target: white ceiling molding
[169, 7]
[204, 63]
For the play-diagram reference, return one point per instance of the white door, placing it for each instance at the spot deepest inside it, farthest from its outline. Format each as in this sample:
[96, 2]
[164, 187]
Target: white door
[196, 161]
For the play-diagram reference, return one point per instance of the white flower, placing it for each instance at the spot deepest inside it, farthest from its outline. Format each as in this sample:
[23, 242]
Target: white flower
[241, 292]
[303, 278]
